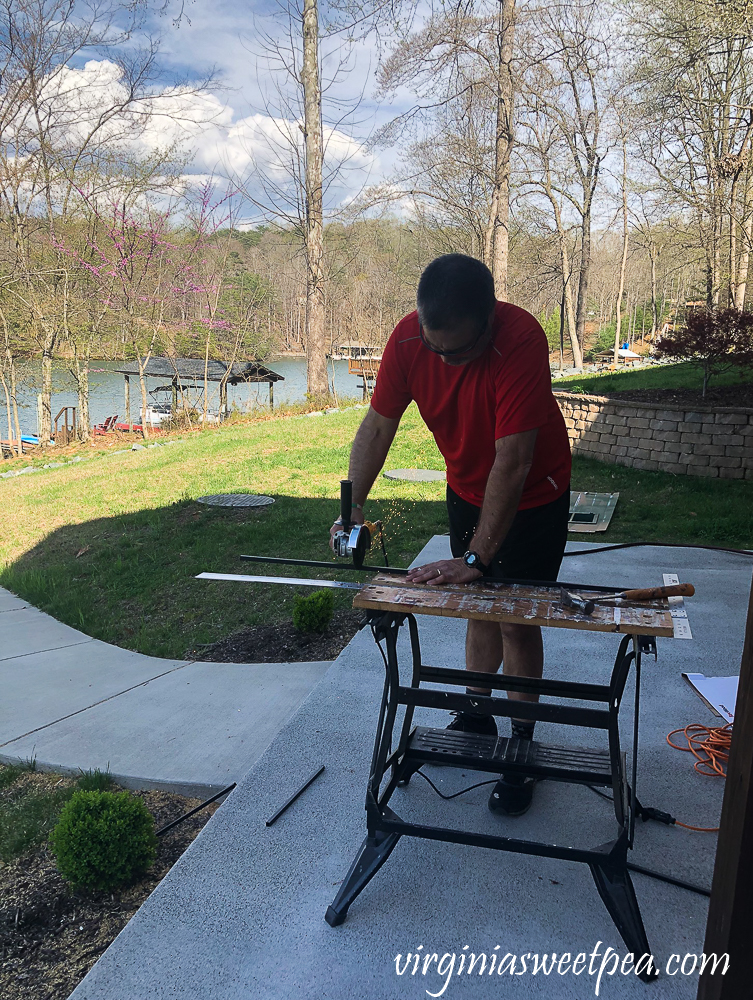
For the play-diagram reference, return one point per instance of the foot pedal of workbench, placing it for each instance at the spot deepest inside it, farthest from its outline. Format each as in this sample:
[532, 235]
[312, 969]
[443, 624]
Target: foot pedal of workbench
[581, 765]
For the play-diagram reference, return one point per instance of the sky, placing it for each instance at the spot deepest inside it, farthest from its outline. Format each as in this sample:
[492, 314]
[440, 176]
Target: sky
[244, 129]
[246, 126]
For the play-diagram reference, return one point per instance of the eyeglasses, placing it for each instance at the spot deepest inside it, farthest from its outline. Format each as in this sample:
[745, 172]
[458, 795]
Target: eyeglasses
[455, 352]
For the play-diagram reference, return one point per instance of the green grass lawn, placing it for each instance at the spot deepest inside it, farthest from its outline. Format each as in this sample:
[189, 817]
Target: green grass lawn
[683, 376]
[112, 546]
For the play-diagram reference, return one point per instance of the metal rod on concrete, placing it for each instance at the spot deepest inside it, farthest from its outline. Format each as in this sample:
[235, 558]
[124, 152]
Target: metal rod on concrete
[670, 879]
[275, 816]
[197, 809]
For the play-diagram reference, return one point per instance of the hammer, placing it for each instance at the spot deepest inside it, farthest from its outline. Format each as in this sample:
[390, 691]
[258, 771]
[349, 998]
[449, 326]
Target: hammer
[586, 605]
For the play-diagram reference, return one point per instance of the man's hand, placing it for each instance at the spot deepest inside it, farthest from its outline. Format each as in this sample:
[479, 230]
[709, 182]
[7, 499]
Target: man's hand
[370, 447]
[356, 517]
[444, 571]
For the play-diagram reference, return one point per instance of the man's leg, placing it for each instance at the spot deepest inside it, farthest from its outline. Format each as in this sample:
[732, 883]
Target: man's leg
[532, 550]
[483, 649]
[523, 652]
[524, 657]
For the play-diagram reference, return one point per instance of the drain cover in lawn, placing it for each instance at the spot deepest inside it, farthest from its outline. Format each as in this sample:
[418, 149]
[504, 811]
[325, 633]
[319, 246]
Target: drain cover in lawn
[236, 500]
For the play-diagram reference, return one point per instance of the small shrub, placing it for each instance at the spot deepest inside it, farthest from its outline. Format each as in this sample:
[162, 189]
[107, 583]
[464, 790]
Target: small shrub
[313, 613]
[104, 839]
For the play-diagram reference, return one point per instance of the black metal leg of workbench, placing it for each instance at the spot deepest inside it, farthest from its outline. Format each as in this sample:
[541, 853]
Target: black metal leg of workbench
[372, 855]
[617, 892]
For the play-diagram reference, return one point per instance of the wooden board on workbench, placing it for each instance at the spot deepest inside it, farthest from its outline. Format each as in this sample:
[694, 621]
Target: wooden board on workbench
[512, 603]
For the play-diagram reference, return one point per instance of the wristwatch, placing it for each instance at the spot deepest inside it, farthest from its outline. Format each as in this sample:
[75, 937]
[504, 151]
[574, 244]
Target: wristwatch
[473, 560]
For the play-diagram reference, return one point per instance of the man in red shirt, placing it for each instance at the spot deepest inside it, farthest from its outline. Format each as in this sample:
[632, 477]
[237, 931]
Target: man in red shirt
[478, 370]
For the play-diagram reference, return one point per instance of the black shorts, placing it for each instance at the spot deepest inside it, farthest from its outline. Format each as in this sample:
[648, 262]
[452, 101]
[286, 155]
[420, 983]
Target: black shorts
[534, 545]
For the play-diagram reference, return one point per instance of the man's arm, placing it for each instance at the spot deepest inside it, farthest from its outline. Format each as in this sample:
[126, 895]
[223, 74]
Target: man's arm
[370, 446]
[369, 451]
[503, 491]
[514, 456]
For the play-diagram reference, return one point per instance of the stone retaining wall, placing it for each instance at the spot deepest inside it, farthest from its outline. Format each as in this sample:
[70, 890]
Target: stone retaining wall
[705, 441]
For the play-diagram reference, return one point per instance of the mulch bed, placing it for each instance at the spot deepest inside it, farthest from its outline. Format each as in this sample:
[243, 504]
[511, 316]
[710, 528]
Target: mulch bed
[724, 395]
[283, 643]
[50, 934]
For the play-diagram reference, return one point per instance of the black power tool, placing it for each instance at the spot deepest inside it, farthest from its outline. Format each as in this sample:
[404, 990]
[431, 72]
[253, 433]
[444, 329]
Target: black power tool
[353, 541]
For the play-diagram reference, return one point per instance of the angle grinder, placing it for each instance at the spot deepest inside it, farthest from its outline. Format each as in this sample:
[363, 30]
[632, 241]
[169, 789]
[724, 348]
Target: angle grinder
[353, 541]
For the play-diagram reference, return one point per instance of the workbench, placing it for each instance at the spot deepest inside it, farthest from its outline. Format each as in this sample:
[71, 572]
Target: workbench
[400, 748]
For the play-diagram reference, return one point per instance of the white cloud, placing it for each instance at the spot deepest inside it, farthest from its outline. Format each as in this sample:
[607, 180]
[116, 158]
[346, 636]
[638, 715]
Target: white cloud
[239, 131]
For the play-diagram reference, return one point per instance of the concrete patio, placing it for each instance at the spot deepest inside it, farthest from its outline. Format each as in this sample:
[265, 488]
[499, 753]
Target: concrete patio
[72, 702]
[242, 913]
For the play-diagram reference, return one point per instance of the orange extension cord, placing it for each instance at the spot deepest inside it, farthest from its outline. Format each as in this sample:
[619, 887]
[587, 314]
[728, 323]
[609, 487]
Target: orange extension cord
[710, 746]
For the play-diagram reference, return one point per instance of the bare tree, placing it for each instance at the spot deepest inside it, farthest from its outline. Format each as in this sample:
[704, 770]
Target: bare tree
[461, 60]
[60, 126]
[318, 383]
[300, 156]
[694, 86]
[570, 85]
[542, 153]
[623, 258]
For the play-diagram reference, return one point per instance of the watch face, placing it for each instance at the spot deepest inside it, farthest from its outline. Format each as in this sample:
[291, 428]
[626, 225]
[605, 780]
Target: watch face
[470, 559]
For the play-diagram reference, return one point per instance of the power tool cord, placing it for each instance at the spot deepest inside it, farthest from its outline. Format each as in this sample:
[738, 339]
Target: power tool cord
[639, 869]
[664, 545]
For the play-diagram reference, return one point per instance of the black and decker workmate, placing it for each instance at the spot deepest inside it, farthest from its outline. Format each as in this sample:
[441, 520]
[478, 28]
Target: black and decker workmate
[390, 603]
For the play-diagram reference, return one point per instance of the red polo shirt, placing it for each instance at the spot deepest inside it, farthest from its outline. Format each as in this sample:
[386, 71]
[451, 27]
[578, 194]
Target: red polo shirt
[468, 407]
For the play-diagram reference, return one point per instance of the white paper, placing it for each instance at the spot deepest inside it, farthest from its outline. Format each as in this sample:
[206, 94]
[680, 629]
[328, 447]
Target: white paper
[719, 693]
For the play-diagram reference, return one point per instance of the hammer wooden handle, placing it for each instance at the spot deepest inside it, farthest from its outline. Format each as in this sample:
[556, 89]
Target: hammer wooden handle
[651, 593]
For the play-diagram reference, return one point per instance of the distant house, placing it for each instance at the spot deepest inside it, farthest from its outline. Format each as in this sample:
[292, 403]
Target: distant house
[353, 350]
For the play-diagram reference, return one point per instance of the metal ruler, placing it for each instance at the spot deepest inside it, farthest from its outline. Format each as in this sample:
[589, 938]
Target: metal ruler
[295, 581]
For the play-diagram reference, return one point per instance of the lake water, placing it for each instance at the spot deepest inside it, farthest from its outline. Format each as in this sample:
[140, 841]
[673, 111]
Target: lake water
[106, 395]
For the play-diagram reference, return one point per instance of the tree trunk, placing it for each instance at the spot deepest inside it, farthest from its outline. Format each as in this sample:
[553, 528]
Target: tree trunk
[566, 271]
[81, 374]
[568, 300]
[733, 263]
[498, 233]
[127, 402]
[14, 401]
[206, 384]
[318, 385]
[585, 267]
[654, 303]
[45, 423]
[709, 280]
[7, 411]
[623, 261]
[717, 262]
[144, 401]
[747, 236]
[11, 369]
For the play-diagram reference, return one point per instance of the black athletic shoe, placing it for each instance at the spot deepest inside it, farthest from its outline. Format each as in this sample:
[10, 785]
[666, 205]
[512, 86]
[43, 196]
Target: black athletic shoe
[465, 722]
[512, 795]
